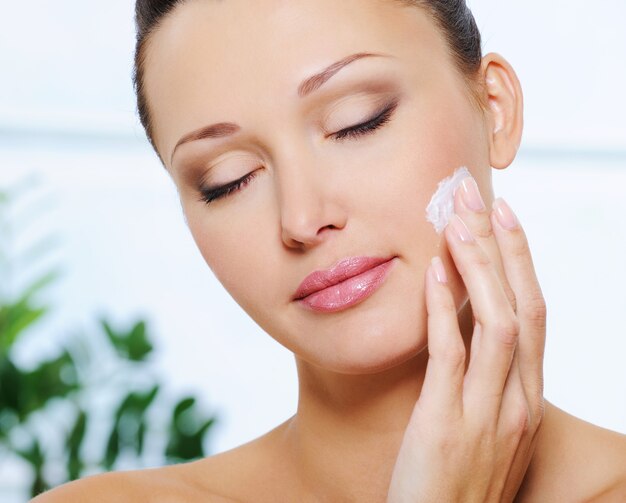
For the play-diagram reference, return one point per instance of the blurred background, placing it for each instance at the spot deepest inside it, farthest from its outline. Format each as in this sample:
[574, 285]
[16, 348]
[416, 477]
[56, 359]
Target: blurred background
[85, 193]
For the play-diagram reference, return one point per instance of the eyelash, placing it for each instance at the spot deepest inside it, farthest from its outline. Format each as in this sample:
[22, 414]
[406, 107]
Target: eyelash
[367, 127]
[209, 195]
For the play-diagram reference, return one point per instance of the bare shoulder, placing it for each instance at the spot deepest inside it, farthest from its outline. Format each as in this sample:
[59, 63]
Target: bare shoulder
[575, 461]
[604, 462]
[255, 471]
[166, 484]
[120, 486]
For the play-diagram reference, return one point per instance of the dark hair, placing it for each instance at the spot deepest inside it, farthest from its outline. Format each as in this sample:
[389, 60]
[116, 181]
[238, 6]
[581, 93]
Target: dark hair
[453, 17]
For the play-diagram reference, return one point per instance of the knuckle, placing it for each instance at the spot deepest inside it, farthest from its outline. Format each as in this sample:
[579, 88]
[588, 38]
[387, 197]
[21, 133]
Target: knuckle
[520, 248]
[483, 230]
[452, 355]
[447, 443]
[523, 420]
[439, 304]
[520, 419]
[443, 306]
[436, 434]
[484, 429]
[511, 296]
[536, 310]
[536, 390]
[507, 331]
[540, 388]
[539, 410]
[446, 304]
[478, 260]
[481, 259]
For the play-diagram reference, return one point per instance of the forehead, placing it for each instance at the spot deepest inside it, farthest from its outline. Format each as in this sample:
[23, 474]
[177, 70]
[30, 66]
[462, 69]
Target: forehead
[232, 59]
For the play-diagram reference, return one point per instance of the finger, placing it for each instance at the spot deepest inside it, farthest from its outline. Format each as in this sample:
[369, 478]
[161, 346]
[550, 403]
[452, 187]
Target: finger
[517, 430]
[470, 206]
[442, 387]
[531, 306]
[486, 375]
[514, 417]
[518, 470]
[475, 342]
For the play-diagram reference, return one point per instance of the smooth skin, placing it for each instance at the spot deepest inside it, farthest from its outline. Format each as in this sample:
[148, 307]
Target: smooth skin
[363, 425]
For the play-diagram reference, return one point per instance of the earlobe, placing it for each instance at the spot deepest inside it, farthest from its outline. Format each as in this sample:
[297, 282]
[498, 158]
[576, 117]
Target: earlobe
[505, 117]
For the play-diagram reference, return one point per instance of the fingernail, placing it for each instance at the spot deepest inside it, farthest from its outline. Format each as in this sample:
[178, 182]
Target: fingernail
[438, 269]
[505, 214]
[471, 195]
[461, 229]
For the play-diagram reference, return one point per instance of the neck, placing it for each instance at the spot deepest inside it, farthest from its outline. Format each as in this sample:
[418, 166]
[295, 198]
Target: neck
[348, 429]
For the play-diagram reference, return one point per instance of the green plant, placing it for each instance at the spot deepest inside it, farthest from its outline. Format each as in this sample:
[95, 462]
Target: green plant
[102, 382]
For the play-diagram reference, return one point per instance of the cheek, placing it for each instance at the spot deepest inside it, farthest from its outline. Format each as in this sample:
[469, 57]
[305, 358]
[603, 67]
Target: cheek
[429, 140]
[443, 137]
[235, 246]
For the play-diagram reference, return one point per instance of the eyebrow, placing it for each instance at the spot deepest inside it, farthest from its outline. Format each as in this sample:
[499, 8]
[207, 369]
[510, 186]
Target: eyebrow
[308, 85]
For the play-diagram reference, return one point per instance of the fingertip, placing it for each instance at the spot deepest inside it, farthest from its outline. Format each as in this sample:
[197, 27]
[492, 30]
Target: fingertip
[495, 224]
[505, 215]
[438, 270]
[437, 293]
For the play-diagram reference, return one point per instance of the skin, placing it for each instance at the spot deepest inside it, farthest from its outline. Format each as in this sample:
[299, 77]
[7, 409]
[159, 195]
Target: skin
[315, 200]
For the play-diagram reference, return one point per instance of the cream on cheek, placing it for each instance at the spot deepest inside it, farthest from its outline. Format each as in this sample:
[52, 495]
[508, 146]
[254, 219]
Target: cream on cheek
[459, 145]
[440, 209]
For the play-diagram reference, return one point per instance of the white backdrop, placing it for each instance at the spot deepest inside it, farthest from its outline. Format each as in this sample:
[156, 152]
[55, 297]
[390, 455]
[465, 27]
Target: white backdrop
[67, 117]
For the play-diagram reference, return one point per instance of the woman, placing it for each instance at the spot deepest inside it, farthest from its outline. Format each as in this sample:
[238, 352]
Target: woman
[310, 136]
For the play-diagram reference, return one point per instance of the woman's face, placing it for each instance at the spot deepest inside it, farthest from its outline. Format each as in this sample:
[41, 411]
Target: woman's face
[315, 198]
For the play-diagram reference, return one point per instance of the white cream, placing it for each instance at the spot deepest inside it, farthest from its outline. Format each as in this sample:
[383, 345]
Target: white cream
[441, 207]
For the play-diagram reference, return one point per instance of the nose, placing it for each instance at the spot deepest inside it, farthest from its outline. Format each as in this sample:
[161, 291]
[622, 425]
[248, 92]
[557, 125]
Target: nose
[309, 208]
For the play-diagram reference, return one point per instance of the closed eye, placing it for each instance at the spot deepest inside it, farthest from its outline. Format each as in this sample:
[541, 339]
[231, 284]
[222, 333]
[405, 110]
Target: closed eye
[367, 127]
[207, 195]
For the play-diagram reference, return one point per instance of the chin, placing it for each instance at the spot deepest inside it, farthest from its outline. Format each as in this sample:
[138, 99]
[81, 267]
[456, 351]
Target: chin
[366, 341]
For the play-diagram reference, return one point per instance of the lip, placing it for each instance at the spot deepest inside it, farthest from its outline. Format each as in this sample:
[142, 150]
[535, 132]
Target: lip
[348, 282]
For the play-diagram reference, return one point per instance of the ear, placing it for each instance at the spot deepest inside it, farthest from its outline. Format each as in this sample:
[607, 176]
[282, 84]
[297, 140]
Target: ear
[505, 120]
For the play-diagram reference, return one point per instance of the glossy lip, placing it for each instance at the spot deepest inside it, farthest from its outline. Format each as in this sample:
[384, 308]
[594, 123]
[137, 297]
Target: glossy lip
[341, 271]
[349, 292]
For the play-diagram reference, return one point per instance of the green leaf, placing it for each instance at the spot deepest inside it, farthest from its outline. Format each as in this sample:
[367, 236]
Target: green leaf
[35, 457]
[141, 435]
[33, 454]
[39, 484]
[133, 345]
[130, 423]
[17, 316]
[147, 398]
[108, 329]
[183, 405]
[51, 379]
[8, 421]
[186, 447]
[14, 322]
[187, 432]
[11, 384]
[136, 402]
[73, 444]
[112, 448]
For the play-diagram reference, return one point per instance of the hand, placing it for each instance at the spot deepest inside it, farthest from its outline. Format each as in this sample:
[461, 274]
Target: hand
[470, 437]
